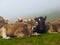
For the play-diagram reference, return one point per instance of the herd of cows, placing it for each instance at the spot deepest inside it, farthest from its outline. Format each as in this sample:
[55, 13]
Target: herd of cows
[27, 27]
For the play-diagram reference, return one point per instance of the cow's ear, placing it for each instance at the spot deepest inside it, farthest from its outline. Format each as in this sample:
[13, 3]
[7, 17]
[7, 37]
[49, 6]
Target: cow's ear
[45, 17]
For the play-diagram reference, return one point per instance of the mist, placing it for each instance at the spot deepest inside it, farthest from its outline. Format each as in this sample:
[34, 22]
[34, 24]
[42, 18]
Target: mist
[11, 9]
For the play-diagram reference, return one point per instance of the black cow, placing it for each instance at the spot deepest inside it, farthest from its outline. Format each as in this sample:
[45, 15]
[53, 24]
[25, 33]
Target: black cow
[40, 28]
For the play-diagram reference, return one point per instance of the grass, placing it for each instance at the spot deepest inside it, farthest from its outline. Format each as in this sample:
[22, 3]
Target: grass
[44, 39]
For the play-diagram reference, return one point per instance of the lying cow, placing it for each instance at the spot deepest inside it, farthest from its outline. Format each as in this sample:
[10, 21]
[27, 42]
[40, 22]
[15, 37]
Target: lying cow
[2, 28]
[30, 23]
[21, 29]
[53, 26]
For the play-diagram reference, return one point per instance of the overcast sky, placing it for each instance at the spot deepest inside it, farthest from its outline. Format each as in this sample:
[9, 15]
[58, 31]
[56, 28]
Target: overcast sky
[14, 8]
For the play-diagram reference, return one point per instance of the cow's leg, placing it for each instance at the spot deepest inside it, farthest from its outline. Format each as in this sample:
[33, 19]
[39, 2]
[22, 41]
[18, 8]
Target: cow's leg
[3, 33]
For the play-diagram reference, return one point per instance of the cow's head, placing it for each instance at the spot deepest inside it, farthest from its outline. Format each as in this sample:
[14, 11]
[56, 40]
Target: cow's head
[41, 21]
[41, 24]
[20, 19]
[32, 22]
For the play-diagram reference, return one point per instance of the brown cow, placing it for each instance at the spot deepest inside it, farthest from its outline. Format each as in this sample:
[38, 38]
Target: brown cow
[32, 23]
[54, 26]
[2, 28]
[21, 29]
[26, 28]
[15, 29]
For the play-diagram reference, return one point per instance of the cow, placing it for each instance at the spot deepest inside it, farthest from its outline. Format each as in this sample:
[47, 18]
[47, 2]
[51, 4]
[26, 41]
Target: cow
[21, 29]
[18, 29]
[54, 26]
[2, 28]
[40, 28]
[27, 28]
[49, 27]
[32, 23]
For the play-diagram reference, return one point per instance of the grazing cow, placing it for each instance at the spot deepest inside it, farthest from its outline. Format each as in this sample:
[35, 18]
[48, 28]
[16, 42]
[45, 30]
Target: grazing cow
[40, 28]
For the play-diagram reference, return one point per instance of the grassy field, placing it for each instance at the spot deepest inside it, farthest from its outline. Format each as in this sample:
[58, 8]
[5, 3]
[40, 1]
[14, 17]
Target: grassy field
[44, 39]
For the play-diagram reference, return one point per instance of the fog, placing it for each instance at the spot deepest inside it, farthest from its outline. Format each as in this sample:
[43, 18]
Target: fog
[11, 9]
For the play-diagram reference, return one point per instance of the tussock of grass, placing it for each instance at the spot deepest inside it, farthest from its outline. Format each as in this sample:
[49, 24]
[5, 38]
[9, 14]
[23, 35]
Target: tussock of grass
[44, 39]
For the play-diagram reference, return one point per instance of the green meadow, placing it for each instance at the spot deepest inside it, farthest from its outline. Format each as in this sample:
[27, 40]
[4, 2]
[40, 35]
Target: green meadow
[43, 39]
